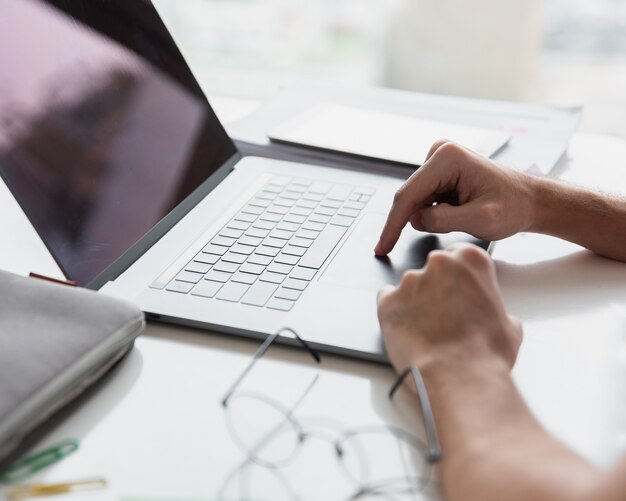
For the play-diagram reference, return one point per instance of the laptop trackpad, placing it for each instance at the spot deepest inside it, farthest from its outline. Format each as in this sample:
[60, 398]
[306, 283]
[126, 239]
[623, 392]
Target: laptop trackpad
[356, 266]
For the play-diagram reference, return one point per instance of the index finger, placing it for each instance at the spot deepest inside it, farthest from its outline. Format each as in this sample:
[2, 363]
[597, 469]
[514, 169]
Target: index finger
[418, 191]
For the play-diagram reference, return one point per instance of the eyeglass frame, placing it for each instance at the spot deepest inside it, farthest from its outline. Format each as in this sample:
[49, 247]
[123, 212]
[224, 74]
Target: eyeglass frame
[432, 437]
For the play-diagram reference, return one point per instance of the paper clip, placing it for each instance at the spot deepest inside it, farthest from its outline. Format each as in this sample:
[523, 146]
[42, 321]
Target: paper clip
[43, 490]
[32, 464]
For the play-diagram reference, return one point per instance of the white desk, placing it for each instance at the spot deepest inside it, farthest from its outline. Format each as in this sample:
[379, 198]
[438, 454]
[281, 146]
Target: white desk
[156, 429]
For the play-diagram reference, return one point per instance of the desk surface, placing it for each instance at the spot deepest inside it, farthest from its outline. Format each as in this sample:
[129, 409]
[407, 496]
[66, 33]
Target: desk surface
[156, 428]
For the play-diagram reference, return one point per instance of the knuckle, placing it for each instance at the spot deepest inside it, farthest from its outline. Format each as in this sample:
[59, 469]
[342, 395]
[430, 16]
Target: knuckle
[439, 259]
[490, 214]
[398, 196]
[475, 254]
[450, 150]
[410, 279]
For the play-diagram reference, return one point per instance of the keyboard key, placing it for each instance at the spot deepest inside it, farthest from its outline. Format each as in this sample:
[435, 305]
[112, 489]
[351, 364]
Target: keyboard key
[333, 204]
[301, 211]
[325, 211]
[303, 273]
[286, 226]
[319, 187]
[226, 267]
[274, 242]
[280, 181]
[217, 276]
[290, 294]
[302, 182]
[207, 258]
[267, 195]
[253, 209]
[267, 251]
[281, 234]
[275, 278]
[198, 267]
[342, 221]
[307, 204]
[280, 304]
[290, 195]
[286, 259]
[264, 225]
[182, 287]
[301, 242]
[313, 226]
[206, 289]
[251, 241]
[242, 249]
[255, 269]
[283, 269]
[223, 241]
[231, 233]
[244, 278]
[260, 202]
[259, 294]
[311, 235]
[315, 197]
[231, 257]
[259, 259]
[297, 188]
[365, 198]
[272, 188]
[295, 218]
[277, 209]
[339, 193]
[189, 276]
[294, 283]
[268, 216]
[294, 251]
[238, 225]
[355, 197]
[284, 202]
[319, 218]
[218, 250]
[322, 247]
[245, 217]
[232, 292]
[354, 205]
[348, 212]
[257, 232]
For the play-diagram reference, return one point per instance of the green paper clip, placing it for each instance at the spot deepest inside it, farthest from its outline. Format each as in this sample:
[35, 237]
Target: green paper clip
[32, 464]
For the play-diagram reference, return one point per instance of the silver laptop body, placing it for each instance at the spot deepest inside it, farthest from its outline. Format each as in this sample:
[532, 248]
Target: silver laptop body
[134, 186]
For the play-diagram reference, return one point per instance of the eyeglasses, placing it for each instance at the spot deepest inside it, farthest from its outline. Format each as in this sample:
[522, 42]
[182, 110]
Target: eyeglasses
[356, 450]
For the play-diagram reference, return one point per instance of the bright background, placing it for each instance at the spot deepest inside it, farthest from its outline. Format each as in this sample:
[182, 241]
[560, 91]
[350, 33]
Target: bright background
[564, 52]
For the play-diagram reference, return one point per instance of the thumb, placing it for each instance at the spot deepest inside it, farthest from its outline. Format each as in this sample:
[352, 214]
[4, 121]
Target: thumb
[444, 218]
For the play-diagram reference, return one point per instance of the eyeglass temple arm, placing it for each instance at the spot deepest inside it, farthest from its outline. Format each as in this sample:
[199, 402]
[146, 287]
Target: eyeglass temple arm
[434, 447]
[261, 351]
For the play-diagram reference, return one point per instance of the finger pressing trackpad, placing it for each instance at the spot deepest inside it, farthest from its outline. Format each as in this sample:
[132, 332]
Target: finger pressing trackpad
[356, 265]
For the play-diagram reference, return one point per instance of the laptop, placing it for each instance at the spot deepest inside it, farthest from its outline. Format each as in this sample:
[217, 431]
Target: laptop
[113, 152]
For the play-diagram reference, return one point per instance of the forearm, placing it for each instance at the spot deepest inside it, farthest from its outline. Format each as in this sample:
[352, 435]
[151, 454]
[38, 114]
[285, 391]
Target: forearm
[493, 449]
[592, 220]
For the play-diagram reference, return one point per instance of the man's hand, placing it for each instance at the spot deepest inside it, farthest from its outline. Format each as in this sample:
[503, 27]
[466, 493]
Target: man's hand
[471, 193]
[449, 311]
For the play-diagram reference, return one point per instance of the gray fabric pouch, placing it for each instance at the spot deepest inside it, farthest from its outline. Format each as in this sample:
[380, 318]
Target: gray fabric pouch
[55, 342]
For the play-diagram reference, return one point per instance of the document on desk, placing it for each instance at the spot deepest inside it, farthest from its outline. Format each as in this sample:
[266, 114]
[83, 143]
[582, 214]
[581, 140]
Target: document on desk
[539, 134]
[382, 136]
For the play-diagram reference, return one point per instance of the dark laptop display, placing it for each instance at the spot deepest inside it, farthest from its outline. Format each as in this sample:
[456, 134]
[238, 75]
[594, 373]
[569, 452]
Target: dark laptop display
[103, 128]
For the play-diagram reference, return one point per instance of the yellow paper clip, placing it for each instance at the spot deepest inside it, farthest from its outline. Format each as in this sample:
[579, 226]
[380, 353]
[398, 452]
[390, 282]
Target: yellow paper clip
[43, 490]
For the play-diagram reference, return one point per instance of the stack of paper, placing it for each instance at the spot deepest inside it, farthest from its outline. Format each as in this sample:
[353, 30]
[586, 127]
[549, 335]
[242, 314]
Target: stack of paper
[537, 135]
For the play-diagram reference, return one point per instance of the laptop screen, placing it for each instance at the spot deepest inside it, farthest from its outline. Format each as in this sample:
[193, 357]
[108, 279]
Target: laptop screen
[103, 128]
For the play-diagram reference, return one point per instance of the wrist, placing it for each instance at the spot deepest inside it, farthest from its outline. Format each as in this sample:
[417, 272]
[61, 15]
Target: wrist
[461, 363]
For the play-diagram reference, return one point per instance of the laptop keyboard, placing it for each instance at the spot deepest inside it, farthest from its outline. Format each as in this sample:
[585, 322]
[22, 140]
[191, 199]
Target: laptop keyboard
[267, 255]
